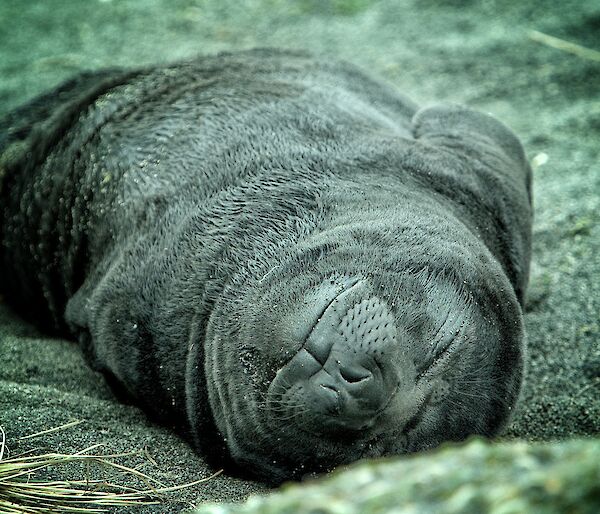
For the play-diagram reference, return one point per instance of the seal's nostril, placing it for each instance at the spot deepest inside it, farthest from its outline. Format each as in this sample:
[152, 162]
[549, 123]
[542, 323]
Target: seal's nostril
[354, 376]
[330, 388]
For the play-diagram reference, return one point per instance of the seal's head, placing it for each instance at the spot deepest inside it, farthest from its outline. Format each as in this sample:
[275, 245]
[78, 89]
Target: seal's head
[356, 365]
[325, 361]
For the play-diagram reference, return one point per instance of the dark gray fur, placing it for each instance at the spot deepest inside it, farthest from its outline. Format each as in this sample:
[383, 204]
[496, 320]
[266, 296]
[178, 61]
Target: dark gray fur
[175, 219]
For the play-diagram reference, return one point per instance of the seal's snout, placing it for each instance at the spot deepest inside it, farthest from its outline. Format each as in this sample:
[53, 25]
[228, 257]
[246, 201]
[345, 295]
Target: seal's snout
[346, 372]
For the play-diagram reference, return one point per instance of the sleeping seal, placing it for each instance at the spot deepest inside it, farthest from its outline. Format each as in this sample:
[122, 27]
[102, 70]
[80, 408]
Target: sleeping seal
[287, 257]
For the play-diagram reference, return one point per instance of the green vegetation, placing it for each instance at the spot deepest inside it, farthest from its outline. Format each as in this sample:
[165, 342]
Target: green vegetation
[510, 478]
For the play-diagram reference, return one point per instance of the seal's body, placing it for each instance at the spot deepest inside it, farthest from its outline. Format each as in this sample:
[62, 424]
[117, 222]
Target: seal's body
[286, 255]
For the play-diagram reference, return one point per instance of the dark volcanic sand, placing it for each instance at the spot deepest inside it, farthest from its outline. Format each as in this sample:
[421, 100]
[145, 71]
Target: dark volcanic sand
[476, 53]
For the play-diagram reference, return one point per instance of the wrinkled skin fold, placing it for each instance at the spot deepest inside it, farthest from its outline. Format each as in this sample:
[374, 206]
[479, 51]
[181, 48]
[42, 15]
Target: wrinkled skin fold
[286, 258]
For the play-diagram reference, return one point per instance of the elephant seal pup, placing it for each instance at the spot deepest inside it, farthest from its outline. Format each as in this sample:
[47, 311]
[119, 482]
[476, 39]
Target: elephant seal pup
[286, 256]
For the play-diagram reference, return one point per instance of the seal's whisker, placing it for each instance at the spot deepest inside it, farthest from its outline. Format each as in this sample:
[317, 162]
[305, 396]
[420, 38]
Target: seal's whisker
[481, 396]
[473, 381]
[458, 404]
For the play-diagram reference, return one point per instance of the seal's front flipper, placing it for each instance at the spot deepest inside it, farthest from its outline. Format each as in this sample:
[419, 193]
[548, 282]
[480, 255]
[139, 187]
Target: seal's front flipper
[476, 153]
[473, 133]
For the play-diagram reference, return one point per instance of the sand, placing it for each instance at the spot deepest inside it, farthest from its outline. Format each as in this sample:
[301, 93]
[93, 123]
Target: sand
[477, 53]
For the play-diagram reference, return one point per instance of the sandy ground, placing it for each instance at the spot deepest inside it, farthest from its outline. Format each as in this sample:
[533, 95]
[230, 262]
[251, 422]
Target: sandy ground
[478, 53]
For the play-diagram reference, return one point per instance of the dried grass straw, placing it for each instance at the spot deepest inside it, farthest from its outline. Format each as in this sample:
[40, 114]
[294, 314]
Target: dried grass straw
[565, 46]
[21, 493]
